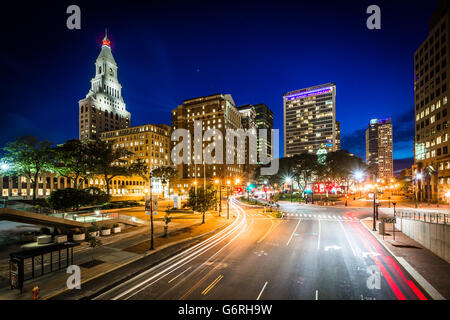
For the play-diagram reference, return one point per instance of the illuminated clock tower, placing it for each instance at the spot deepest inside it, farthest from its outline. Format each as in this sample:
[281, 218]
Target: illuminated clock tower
[103, 108]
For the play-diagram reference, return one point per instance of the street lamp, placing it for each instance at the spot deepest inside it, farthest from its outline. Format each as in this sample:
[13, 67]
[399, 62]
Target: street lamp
[418, 177]
[288, 180]
[359, 176]
[219, 182]
[228, 199]
[195, 185]
[4, 166]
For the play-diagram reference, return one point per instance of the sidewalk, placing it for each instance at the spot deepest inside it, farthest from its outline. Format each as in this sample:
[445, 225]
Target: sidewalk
[108, 257]
[433, 269]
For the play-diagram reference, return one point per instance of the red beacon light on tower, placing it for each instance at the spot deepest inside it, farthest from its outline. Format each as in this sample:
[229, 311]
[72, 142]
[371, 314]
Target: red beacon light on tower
[106, 41]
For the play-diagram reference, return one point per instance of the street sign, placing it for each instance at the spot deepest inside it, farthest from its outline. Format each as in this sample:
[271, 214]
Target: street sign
[151, 205]
[389, 219]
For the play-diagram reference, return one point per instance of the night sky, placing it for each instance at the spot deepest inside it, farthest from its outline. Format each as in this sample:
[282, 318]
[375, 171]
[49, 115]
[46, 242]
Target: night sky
[169, 52]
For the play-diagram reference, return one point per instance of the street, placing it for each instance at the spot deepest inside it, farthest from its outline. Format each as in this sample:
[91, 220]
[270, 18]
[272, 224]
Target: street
[313, 253]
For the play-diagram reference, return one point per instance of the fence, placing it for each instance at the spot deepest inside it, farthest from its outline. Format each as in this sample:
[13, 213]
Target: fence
[431, 217]
[430, 229]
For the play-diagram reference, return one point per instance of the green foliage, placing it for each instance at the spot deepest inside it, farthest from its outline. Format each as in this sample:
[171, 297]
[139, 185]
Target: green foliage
[307, 169]
[73, 161]
[121, 204]
[276, 214]
[202, 201]
[276, 197]
[110, 162]
[93, 241]
[167, 219]
[93, 228]
[29, 157]
[96, 196]
[69, 198]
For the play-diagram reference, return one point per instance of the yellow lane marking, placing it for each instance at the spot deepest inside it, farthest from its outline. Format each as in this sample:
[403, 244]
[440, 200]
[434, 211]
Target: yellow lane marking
[208, 288]
[272, 227]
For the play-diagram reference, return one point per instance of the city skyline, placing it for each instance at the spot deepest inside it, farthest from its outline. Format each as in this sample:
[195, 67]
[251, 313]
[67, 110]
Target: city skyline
[225, 152]
[161, 82]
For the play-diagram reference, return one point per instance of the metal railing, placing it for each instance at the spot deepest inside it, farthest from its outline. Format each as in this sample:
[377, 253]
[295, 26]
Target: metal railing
[430, 217]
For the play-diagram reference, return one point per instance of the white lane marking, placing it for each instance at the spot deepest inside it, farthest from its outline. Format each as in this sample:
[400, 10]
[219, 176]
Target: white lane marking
[179, 275]
[293, 232]
[204, 246]
[317, 294]
[348, 239]
[318, 243]
[260, 293]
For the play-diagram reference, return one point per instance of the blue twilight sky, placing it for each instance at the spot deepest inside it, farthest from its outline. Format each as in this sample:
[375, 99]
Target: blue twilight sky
[171, 51]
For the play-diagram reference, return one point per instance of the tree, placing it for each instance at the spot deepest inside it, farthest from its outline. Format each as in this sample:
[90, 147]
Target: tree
[340, 167]
[110, 162]
[304, 169]
[29, 157]
[167, 219]
[73, 161]
[165, 174]
[69, 198]
[202, 201]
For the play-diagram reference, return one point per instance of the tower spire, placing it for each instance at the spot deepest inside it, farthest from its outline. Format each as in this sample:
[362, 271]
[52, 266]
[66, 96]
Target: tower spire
[106, 41]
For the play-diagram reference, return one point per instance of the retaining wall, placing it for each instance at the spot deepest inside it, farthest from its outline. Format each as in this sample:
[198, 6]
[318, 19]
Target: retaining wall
[435, 237]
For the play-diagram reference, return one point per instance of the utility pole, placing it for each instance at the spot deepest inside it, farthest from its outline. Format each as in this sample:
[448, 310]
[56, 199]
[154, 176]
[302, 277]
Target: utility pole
[152, 247]
[220, 196]
[228, 204]
[204, 192]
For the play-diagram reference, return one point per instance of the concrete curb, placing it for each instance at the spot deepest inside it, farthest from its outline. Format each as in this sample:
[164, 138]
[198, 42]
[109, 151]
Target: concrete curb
[434, 294]
[140, 256]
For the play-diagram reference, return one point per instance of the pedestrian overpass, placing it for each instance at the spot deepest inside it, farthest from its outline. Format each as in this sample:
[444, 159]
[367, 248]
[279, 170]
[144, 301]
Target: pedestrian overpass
[67, 220]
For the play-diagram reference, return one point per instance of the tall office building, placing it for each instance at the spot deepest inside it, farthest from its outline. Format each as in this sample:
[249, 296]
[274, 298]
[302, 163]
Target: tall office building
[264, 120]
[217, 112]
[431, 143]
[379, 148]
[103, 108]
[310, 120]
[248, 123]
[338, 135]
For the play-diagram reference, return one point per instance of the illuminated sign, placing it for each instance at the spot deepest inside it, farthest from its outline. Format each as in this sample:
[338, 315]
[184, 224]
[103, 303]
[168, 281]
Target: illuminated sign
[308, 94]
[420, 151]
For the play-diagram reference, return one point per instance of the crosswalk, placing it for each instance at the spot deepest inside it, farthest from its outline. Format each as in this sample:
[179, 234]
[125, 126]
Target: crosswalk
[319, 216]
[255, 215]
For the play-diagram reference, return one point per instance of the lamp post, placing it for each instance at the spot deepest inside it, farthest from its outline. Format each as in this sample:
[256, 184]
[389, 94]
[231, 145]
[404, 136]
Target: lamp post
[288, 181]
[418, 178]
[228, 199]
[359, 176]
[217, 181]
[195, 185]
[152, 244]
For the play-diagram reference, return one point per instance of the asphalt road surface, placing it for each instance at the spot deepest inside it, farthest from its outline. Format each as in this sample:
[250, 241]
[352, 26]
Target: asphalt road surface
[313, 253]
